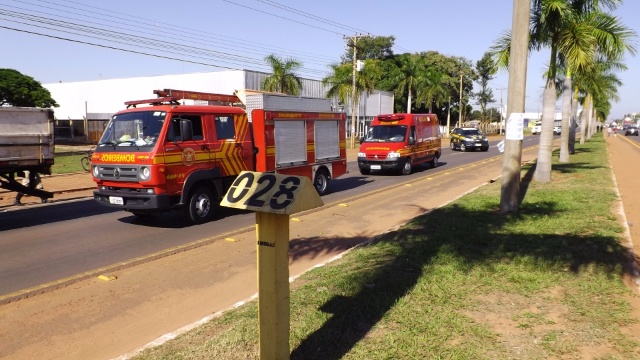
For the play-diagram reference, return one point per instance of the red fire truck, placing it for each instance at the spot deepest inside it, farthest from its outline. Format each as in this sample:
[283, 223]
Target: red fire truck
[168, 155]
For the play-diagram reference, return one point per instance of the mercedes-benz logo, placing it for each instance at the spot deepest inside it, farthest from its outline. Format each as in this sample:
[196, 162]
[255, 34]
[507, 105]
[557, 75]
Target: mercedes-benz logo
[116, 173]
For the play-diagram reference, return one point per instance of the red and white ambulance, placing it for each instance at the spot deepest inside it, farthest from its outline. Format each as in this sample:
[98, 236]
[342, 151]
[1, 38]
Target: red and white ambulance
[398, 142]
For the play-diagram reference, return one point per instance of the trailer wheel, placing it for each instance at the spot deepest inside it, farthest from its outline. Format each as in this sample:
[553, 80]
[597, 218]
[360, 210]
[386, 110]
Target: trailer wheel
[321, 182]
[200, 207]
[406, 168]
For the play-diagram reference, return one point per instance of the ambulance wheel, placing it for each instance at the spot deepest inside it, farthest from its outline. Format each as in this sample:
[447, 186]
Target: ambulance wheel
[321, 182]
[463, 147]
[200, 207]
[434, 161]
[406, 168]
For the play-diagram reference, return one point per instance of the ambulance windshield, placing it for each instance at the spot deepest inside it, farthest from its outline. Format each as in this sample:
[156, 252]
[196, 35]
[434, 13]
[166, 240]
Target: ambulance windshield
[137, 129]
[386, 133]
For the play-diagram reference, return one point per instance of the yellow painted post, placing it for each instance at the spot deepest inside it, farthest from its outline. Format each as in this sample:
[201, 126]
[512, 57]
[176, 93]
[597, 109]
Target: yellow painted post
[273, 197]
[272, 235]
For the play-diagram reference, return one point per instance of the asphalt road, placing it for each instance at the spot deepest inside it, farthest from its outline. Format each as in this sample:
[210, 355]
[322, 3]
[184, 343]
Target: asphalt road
[72, 240]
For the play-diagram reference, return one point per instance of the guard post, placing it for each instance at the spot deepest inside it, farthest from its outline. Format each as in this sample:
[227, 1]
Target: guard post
[273, 197]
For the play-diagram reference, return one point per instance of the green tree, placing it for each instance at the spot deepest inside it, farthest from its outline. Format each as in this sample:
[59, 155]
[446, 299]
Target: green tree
[412, 69]
[17, 89]
[486, 70]
[283, 79]
[370, 48]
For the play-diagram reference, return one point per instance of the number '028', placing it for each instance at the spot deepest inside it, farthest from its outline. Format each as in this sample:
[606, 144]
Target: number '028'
[241, 186]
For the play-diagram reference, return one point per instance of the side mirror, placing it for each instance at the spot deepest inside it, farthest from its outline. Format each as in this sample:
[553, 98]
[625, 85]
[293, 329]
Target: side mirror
[412, 141]
[186, 129]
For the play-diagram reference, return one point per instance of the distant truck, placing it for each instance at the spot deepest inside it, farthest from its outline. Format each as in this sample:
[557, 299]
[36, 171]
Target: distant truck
[398, 142]
[26, 144]
[160, 154]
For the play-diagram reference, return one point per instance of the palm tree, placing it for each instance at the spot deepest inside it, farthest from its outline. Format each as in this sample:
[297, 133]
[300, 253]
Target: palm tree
[284, 79]
[432, 88]
[411, 71]
[564, 26]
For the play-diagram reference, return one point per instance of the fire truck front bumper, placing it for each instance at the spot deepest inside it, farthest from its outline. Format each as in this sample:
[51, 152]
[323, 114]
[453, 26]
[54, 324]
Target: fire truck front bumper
[133, 201]
[385, 165]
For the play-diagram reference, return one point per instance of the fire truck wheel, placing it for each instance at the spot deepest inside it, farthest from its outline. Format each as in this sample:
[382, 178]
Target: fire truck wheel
[321, 182]
[200, 205]
[406, 168]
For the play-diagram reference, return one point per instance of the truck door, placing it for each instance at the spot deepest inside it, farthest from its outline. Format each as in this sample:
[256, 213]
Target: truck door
[184, 156]
[232, 149]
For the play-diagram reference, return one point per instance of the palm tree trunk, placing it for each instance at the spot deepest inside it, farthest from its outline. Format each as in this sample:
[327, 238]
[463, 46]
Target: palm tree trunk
[543, 165]
[409, 102]
[574, 124]
[566, 113]
[583, 120]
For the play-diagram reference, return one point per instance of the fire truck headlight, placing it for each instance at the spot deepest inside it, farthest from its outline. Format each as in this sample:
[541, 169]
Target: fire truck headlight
[145, 173]
[361, 154]
[393, 155]
[96, 171]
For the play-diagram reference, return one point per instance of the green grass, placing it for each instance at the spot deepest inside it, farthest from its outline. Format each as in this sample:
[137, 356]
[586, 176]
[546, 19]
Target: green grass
[64, 164]
[463, 282]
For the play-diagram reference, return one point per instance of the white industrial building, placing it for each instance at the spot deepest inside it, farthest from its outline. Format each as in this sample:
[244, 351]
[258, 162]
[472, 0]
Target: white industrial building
[86, 105]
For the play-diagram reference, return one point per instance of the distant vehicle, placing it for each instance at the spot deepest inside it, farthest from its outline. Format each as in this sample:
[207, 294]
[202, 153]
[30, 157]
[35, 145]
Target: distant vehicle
[631, 130]
[536, 129]
[557, 130]
[468, 139]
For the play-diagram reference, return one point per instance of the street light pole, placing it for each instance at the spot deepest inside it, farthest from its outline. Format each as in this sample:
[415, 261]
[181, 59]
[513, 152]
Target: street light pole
[354, 44]
[460, 107]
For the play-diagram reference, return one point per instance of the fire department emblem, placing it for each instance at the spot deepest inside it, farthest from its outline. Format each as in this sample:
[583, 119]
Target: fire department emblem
[188, 156]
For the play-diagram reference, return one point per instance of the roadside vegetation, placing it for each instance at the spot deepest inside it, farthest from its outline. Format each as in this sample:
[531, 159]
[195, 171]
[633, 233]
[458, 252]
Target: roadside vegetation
[464, 282]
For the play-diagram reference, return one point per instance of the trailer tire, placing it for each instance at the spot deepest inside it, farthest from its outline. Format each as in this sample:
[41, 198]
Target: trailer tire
[321, 181]
[200, 206]
[406, 168]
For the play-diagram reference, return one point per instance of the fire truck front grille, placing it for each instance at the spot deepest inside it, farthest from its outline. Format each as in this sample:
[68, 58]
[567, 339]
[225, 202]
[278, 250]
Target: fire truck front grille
[127, 173]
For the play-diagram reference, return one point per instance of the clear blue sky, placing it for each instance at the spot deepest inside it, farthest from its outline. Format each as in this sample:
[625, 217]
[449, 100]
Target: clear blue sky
[211, 35]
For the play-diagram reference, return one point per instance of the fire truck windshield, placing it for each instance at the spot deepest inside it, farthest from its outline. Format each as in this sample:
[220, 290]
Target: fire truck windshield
[386, 133]
[137, 129]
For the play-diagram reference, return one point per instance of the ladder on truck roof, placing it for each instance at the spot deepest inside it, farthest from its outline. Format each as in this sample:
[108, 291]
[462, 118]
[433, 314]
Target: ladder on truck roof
[172, 96]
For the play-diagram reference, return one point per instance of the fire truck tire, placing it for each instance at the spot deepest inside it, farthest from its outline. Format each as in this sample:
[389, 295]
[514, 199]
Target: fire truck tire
[406, 168]
[200, 209]
[321, 182]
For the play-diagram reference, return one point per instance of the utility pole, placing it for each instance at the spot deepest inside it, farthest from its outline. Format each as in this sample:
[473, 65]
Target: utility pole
[448, 118]
[510, 187]
[460, 112]
[354, 44]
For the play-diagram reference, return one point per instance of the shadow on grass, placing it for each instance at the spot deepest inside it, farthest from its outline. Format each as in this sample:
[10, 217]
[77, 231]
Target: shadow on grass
[474, 237]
